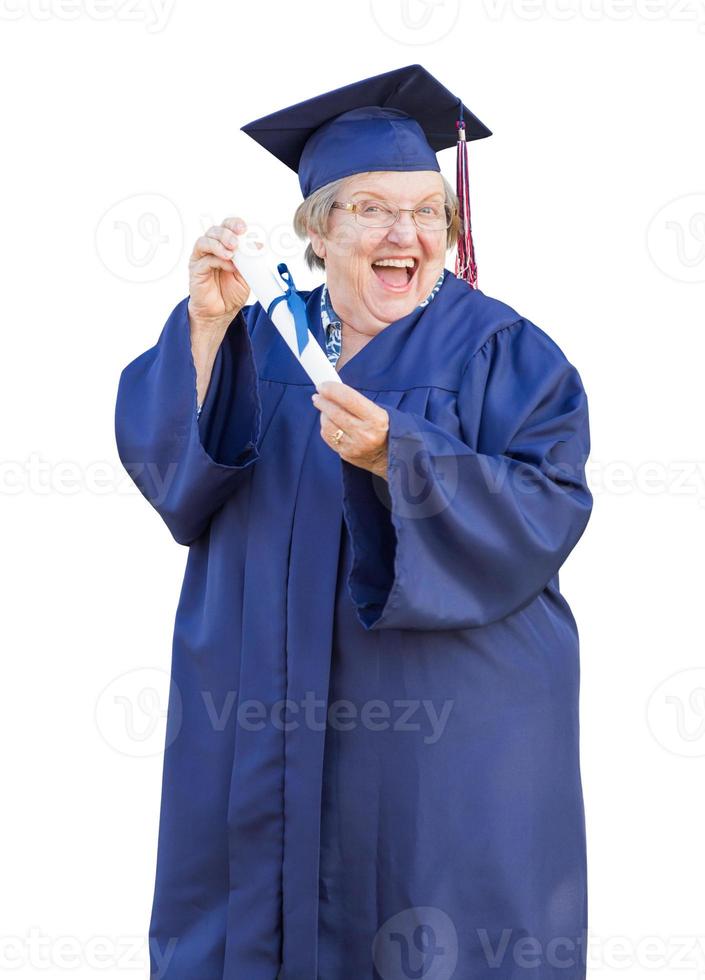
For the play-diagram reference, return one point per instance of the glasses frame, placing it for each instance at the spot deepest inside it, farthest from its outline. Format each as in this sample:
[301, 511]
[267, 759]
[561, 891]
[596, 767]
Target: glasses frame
[352, 206]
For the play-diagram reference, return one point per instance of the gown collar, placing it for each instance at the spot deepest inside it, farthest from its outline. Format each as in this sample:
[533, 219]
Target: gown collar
[332, 323]
[389, 360]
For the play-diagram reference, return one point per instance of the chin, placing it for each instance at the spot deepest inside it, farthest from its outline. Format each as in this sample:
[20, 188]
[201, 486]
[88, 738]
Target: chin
[399, 306]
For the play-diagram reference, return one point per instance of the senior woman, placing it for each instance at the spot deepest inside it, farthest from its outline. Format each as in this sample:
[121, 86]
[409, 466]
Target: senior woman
[372, 765]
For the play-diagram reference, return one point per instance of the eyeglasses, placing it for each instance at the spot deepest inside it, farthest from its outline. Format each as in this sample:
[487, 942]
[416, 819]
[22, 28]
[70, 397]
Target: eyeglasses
[382, 214]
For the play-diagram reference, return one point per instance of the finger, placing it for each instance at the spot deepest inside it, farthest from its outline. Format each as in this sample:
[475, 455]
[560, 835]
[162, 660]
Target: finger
[209, 262]
[223, 234]
[351, 400]
[207, 245]
[339, 417]
[328, 430]
[235, 224]
[354, 443]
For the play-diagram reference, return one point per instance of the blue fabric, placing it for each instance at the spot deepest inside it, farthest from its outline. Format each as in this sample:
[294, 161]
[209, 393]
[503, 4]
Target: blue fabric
[332, 323]
[446, 821]
[296, 305]
[396, 120]
[364, 139]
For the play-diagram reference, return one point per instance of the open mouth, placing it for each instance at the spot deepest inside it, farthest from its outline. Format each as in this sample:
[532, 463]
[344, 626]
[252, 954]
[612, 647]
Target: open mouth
[397, 278]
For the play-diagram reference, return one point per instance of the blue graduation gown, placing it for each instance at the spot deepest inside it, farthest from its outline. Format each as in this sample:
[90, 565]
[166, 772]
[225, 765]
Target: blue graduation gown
[373, 768]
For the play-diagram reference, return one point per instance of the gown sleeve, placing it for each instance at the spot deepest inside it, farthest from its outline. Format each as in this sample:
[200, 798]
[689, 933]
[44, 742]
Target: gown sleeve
[467, 530]
[184, 462]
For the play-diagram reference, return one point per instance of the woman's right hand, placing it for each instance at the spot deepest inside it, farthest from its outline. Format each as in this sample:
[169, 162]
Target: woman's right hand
[217, 291]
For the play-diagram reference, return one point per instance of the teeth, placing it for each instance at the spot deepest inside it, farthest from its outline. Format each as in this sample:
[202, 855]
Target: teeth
[398, 263]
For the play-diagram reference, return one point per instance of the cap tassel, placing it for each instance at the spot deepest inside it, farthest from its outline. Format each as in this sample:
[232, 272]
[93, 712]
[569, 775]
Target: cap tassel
[465, 265]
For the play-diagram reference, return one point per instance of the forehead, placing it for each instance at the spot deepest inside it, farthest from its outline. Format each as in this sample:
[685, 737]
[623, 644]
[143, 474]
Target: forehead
[414, 185]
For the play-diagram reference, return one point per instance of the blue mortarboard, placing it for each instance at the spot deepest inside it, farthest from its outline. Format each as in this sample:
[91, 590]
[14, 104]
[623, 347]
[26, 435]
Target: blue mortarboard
[393, 121]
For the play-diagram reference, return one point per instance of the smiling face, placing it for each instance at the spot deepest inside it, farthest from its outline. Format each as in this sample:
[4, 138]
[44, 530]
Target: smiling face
[367, 296]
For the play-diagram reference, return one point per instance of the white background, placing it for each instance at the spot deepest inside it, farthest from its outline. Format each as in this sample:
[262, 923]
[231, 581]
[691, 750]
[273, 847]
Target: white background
[589, 218]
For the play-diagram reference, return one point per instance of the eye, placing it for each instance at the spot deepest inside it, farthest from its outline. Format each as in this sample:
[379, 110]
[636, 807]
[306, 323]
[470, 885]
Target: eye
[372, 207]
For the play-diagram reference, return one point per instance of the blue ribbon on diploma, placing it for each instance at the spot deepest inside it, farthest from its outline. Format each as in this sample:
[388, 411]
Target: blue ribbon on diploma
[296, 305]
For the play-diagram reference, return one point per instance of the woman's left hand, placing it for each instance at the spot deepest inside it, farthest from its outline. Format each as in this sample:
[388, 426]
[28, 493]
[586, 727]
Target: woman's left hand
[365, 426]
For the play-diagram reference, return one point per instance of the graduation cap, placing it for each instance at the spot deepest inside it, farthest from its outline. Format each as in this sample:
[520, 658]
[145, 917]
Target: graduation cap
[394, 121]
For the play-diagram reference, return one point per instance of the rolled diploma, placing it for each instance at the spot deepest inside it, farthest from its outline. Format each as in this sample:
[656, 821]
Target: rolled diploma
[258, 270]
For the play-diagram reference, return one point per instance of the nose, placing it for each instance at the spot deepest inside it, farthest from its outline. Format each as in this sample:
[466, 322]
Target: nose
[403, 231]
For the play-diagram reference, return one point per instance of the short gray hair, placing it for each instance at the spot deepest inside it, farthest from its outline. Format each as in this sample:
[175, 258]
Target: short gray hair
[314, 210]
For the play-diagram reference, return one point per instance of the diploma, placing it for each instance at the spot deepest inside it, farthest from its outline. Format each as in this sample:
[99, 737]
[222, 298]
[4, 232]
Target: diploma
[274, 288]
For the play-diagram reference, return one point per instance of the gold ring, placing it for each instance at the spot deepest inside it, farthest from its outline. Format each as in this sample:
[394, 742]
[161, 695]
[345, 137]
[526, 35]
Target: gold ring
[337, 436]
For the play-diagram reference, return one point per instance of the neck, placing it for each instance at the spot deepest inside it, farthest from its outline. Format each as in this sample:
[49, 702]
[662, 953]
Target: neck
[352, 340]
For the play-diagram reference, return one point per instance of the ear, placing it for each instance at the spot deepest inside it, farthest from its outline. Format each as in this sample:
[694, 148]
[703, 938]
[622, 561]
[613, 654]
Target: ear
[317, 243]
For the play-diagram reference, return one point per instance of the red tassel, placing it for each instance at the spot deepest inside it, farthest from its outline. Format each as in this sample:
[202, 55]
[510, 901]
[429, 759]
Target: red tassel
[465, 265]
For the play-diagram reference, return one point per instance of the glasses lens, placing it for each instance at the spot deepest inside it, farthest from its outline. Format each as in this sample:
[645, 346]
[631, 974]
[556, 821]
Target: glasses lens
[433, 216]
[375, 214]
